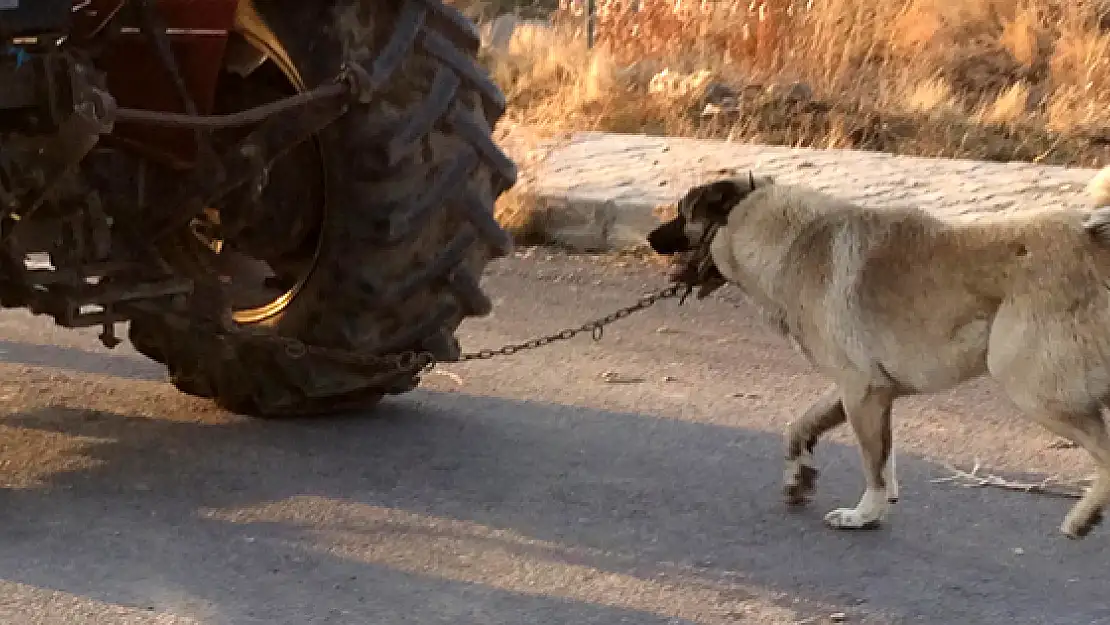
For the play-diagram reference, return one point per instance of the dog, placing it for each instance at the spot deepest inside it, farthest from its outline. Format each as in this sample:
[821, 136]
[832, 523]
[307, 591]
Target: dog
[896, 302]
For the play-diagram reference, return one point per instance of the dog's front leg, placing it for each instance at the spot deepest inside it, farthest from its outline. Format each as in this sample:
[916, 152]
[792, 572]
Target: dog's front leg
[890, 476]
[802, 435]
[868, 412]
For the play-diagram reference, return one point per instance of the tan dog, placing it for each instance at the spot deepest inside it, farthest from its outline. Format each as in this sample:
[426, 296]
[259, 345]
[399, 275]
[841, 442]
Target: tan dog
[890, 303]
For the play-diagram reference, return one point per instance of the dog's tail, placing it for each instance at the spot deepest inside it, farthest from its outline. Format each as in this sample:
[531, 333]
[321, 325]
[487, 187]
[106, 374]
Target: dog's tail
[1098, 222]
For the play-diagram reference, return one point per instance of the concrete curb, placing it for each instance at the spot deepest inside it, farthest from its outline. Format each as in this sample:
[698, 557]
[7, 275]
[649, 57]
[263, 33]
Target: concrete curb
[604, 192]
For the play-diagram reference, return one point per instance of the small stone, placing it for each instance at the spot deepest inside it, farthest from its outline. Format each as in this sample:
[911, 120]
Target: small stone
[613, 377]
[669, 378]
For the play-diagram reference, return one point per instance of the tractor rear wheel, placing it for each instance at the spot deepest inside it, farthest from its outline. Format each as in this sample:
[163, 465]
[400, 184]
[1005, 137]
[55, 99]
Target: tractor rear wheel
[375, 236]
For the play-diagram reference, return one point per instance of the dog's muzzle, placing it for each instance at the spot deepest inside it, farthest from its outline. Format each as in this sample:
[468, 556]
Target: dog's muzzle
[670, 238]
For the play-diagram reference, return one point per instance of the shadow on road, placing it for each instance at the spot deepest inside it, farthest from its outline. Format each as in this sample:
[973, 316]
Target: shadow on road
[121, 365]
[461, 509]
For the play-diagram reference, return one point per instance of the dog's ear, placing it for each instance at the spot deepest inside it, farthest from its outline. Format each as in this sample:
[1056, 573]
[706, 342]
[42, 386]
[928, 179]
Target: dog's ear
[714, 201]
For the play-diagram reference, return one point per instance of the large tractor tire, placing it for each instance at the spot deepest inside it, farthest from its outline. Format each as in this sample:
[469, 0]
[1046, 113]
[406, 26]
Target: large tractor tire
[381, 227]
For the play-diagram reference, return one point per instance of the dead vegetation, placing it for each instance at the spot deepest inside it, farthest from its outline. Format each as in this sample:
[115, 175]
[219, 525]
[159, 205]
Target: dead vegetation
[1001, 80]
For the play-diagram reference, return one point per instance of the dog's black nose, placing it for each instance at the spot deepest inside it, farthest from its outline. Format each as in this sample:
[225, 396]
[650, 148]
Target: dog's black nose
[669, 238]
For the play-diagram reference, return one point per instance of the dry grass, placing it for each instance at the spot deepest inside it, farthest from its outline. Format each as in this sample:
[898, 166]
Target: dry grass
[995, 79]
[518, 213]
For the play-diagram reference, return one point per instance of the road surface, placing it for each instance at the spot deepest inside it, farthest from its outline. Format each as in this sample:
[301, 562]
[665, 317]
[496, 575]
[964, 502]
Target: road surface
[632, 480]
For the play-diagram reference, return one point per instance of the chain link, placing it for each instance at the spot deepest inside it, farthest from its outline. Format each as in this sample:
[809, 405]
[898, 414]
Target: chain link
[415, 362]
[596, 328]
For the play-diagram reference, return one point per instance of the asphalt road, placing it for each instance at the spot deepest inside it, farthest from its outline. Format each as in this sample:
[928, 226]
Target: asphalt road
[632, 480]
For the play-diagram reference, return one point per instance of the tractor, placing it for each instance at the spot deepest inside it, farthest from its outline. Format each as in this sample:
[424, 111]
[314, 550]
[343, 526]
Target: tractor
[289, 203]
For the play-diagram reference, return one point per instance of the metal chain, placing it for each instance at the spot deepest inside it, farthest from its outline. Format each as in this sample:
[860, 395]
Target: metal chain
[596, 328]
[414, 362]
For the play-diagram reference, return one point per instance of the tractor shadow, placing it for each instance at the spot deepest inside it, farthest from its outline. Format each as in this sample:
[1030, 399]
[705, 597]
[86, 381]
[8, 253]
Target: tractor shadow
[455, 508]
[123, 363]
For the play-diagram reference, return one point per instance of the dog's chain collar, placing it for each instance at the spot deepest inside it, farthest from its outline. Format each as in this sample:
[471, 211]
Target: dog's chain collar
[699, 271]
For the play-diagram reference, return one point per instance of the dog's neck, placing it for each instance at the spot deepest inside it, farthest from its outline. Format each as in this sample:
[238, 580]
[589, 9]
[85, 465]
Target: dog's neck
[720, 252]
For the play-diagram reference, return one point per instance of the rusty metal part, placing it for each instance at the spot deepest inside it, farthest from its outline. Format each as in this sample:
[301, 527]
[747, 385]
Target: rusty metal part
[41, 162]
[49, 208]
[65, 304]
[251, 158]
[197, 32]
[248, 117]
[156, 32]
[85, 286]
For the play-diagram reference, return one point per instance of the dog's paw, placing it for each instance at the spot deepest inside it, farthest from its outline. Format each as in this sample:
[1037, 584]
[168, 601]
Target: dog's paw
[868, 513]
[892, 493]
[850, 519]
[799, 482]
[1078, 526]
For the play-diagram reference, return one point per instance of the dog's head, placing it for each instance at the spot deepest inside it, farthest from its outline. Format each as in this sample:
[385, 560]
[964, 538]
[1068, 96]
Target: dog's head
[702, 207]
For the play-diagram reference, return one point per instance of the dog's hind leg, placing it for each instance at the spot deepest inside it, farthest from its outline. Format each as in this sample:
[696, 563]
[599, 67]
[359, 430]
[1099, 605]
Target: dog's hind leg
[802, 435]
[868, 412]
[1087, 513]
[1079, 423]
[1088, 430]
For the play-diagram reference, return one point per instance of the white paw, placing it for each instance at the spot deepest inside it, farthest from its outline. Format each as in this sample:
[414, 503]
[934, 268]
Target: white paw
[868, 514]
[849, 519]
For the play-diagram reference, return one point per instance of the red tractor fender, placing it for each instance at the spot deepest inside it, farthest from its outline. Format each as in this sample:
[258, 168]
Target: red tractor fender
[198, 31]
